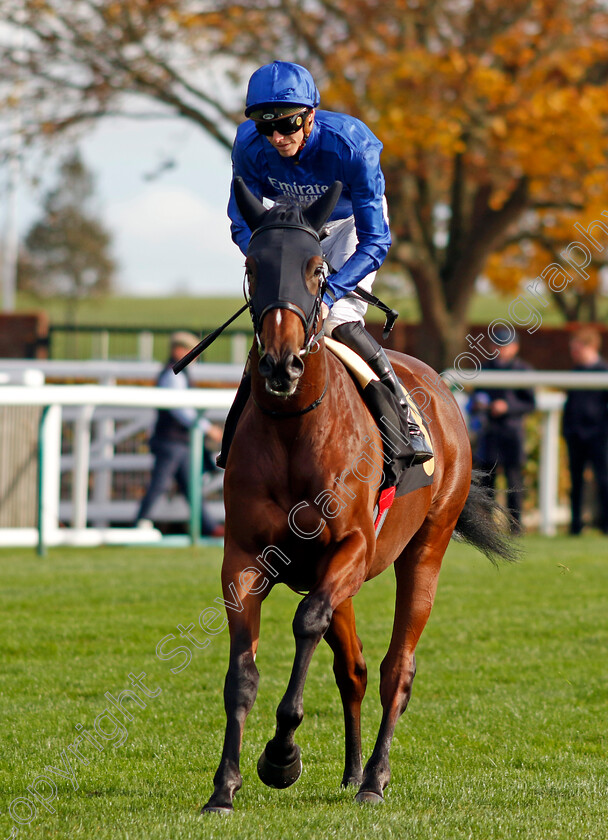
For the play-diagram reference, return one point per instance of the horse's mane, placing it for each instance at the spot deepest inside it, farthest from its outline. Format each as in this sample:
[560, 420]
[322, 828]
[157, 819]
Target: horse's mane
[286, 210]
[285, 201]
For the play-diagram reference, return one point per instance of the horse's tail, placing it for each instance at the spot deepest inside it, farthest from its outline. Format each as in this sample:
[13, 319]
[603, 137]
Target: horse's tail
[479, 523]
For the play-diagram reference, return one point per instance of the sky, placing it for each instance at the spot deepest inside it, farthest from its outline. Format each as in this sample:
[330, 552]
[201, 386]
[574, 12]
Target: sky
[170, 233]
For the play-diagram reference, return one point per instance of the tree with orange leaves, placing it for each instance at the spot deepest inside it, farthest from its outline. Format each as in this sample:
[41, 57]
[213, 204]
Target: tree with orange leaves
[492, 114]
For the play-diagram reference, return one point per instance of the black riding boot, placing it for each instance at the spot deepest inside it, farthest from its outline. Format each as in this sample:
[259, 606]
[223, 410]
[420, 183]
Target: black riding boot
[354, 335]
[234, 415]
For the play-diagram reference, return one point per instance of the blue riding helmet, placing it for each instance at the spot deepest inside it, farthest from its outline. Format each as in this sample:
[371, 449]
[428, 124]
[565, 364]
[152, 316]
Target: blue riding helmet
[281, 83]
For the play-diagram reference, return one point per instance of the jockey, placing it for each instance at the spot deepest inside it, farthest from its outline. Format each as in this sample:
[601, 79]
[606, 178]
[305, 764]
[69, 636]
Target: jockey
[289, 148]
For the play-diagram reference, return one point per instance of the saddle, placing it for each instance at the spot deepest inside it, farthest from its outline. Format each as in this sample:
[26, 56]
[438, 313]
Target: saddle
[399, 478]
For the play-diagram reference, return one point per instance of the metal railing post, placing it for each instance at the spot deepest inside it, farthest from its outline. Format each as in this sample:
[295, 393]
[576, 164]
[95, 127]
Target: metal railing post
[239, 347]
[548, 470]
[145, 346]
[82, 455]
[196, 462]
[49, 454]
[41, 548]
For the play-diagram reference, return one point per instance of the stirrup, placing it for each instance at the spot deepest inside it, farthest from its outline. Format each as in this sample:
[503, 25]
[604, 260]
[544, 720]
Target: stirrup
[419, 444]
[421, 449]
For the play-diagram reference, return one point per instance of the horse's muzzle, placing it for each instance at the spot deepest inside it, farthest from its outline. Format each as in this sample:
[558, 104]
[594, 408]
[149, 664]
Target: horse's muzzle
[281, 375]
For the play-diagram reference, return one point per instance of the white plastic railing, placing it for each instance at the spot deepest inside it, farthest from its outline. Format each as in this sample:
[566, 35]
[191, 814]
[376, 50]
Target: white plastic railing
[108, 372]
[551, 404]
[54, 397]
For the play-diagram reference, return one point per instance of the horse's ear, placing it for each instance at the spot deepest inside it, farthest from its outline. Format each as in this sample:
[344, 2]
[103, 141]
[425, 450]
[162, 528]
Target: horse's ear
[319, 212]
[251, 207]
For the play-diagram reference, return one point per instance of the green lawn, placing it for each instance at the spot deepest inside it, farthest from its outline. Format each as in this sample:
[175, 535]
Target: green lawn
[197, 313]
[505, 736]
[201, 315]
[172, 312]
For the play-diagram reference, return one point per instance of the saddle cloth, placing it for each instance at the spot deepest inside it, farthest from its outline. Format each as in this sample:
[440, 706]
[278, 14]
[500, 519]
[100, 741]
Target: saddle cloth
[399, 479]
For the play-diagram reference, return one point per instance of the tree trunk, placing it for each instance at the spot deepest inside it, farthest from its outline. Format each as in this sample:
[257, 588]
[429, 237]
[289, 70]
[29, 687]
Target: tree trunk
[442, 332]
[445, 288]
[439, 343]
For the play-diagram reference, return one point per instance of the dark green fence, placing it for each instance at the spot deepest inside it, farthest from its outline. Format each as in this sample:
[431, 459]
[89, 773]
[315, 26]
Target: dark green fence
[144, 344]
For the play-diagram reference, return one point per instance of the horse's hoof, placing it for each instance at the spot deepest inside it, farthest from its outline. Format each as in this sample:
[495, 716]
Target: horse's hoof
[369, 797]
[277, 776]
[350, 781]
[224, 810]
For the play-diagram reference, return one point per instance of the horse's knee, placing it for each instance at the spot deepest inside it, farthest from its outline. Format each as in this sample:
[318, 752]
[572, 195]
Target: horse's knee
[241, 685]
[312, 617]
[396, 684]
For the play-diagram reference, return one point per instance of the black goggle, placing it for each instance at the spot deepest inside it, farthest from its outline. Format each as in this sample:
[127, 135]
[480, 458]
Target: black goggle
[284, 125]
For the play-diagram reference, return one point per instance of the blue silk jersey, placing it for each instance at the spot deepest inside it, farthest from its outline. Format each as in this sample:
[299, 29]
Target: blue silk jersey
[339, 148]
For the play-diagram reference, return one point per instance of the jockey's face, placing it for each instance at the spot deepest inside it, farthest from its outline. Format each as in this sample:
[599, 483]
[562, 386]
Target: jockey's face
[288, 145]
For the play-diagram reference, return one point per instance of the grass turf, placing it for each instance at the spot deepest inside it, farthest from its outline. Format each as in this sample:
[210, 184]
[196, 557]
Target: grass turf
[178, 311]
[505, 736]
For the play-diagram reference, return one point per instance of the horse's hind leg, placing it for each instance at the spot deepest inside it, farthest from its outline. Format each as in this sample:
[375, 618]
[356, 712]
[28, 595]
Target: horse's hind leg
[351, 677]
[417, 570]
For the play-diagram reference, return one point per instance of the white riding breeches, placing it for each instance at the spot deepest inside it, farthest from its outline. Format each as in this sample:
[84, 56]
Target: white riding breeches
[339, 244]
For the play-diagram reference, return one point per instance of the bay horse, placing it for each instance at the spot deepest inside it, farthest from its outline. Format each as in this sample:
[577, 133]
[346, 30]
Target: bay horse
[300, 488]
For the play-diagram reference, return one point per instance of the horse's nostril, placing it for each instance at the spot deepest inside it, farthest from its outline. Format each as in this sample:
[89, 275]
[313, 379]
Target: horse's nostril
[289, 369]
[266, 365]
[295, 367]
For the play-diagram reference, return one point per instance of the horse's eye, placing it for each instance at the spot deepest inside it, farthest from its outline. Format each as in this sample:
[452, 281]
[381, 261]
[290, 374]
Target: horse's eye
[251, 275]
[314, 274]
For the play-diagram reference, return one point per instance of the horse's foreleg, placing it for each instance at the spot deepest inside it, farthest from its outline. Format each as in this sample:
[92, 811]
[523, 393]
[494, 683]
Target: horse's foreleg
[417, 570]
[351, 677]
[240, 690]
[280, 764]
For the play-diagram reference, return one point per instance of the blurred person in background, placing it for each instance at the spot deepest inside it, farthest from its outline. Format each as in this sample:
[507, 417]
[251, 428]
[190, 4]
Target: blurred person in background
[498, 414]
[170, 441]
[585, 428]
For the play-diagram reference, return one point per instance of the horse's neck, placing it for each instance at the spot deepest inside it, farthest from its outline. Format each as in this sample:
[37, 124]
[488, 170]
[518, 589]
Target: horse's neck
[335, 424]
